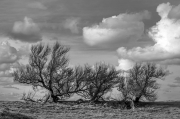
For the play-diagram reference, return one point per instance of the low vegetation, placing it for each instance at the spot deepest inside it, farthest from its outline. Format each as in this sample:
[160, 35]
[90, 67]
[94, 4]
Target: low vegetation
[70, 110]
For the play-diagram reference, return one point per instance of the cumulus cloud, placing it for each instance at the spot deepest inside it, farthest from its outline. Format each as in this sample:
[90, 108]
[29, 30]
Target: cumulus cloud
[9, 57]
[26, 31]
[165, 34]
[116, 30]
[8, 72]
[124, 64]
[72, 24]
[8, 54]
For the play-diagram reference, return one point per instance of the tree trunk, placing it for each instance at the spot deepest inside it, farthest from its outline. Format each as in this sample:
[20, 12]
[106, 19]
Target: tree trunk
[94, 99]
[54, 98]
[50, 95]
[137, 99]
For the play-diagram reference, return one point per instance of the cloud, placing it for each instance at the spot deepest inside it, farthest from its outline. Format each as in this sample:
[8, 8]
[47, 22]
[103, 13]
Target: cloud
[165, 34]
[113, 31]
[124, 64]
[72, 24]
[37, 5]
[173, 85]
[8, 54]
[174, 13]
[175, 61]
[9, 57]
[176, 83]
[7, 72]
[177, 80]
[10, 86]
[26, 31]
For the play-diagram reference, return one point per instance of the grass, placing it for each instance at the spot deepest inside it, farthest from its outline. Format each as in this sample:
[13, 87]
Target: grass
[70, 110]
[9, 115]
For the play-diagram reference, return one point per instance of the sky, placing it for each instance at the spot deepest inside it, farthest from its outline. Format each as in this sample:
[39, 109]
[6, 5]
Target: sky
[117, 32]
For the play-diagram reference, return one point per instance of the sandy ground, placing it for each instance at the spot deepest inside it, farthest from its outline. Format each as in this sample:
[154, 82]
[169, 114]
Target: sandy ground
[158, 110]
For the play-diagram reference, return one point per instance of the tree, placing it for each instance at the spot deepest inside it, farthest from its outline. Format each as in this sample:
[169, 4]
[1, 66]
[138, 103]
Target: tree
[48, 68]
[100, 79]
[142, 81]
[126, 88]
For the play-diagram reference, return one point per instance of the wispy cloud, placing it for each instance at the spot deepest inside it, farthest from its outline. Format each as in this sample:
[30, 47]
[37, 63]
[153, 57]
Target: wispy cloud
[177, 80]
[72, 24]
[173, 85]
[10, 86]
[37, 5]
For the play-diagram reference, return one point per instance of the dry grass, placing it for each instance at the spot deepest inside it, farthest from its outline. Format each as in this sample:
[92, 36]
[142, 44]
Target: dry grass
[22, 110]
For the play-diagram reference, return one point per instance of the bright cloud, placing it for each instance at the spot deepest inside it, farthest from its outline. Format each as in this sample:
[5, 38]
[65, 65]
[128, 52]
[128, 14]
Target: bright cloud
[124, 64]
[166, 35]
[116, 29]
[26, 31]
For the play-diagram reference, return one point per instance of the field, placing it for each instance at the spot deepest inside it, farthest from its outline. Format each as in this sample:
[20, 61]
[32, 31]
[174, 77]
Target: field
[23, 110]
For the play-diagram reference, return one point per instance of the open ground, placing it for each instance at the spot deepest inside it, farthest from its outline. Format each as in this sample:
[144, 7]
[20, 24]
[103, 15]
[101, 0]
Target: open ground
[71, 110]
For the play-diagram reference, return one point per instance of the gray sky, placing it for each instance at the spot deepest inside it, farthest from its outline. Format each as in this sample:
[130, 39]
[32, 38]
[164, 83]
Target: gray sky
[118, 32]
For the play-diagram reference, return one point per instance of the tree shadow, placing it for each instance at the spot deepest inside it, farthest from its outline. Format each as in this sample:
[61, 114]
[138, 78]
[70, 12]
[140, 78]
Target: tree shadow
[10, 115]
[159, 104]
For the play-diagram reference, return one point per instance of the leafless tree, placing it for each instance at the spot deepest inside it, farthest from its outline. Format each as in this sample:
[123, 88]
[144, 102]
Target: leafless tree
[142, 81]
[126, 88]
[48, 68]
[100, 79]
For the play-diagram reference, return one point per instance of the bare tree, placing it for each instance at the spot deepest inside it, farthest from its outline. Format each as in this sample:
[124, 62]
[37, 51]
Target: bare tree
[126, 88]
[142, 81]
[100, 79]
[48, 68]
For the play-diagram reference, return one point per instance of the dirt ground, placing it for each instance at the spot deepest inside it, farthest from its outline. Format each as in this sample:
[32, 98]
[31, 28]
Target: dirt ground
[22, 110]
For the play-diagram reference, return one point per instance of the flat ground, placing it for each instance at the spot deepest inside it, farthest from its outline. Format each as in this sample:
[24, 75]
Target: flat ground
[22, 110]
